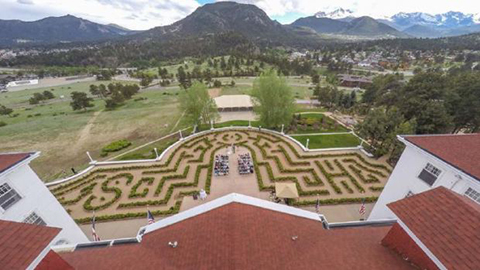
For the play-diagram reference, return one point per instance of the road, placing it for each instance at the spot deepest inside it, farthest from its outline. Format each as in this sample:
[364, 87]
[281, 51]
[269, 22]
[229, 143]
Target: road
[50, 82]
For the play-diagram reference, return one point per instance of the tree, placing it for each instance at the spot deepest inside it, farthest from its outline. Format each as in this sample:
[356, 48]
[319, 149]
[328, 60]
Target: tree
[217, 84]
[232, 83]
[463, 101]
[48, 95]
[146, 81]
[199, 107]
[5, 111]
[94, 90]
[423, 98]
[103, 91]
[182, 78]
[273, 99]
[80, 101]
[379, 128]
[315, 78]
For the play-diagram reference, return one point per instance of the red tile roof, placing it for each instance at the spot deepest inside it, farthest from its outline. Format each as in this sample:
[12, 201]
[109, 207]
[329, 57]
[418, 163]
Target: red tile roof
[447, 223]
[240, 236]
[21, 243]
[9, 160]
[53, 262]
[461, 151]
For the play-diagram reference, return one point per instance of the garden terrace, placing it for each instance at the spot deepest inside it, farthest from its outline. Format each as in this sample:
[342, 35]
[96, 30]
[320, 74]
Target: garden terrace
[125, 191]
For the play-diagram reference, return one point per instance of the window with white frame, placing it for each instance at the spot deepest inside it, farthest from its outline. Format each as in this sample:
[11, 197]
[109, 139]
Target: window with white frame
[33, 218]
[473, 194]
[429, 174]
[8, 196]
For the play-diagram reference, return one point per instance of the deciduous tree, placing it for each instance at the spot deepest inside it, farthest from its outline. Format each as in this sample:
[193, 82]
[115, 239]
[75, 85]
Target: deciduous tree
[273, 99]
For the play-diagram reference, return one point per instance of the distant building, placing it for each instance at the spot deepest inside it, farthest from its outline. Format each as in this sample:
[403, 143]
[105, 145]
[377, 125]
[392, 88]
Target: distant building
[430, 161]
[233, 103]
[25, 198]
[353, 81]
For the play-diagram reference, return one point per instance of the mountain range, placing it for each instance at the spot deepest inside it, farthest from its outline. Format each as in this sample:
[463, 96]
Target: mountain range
[362, 27]
[418, 24]
[248, 21]
[56, 30]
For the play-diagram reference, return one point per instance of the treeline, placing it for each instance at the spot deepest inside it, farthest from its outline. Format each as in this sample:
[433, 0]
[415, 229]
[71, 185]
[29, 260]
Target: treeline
[114, 54]
[114, 94]
[429, 103]
[458, 43]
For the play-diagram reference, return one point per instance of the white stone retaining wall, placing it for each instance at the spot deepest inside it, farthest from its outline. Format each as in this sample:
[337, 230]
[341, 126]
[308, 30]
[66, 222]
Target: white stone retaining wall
[192, 136]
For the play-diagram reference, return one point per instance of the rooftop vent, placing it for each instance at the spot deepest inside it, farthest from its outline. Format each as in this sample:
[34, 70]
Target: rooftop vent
[125, 241]
[173, 244]
[93, 245]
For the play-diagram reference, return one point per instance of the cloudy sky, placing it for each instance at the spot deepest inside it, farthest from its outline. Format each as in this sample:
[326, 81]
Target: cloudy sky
[145, 14]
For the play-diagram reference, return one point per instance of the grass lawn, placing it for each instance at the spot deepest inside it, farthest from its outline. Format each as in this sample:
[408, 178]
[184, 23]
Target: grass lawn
[316, 123]
[148, 152]
[63, 135]
[236, 90]
[305, 109]
[329, 141]
[235, 123]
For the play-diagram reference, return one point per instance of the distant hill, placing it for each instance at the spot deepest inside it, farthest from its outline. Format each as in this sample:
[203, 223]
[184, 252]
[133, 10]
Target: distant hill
[210, 19]
[366, 27]
[322, 25]
[57, 29]
[423, 31]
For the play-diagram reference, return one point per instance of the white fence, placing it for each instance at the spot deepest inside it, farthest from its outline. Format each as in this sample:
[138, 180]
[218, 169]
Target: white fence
[94, 164]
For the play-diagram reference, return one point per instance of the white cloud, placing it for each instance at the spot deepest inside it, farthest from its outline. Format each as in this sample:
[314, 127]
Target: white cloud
[134, 14]
[145, 14]
[25, 2]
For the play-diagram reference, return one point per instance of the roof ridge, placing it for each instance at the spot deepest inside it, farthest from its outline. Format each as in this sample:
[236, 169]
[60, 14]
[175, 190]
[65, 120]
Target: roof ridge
[439, 135]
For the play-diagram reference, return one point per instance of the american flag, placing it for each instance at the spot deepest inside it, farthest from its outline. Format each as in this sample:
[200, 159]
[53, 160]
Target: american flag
[362, 209]
[150, 217]
[95, 237]
[317, 206]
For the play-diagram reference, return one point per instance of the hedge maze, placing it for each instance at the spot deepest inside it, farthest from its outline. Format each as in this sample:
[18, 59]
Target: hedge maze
[120, 192]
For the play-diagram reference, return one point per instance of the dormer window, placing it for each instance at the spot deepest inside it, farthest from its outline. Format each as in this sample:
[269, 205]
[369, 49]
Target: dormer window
[33, 218]
[430, 174]
[473, 194]
[8, 196]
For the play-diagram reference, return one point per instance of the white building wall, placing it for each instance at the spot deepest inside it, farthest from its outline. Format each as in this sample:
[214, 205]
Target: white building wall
[404, 179]
[37, 198]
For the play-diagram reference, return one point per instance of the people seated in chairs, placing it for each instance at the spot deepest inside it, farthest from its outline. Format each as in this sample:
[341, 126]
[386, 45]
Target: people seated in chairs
[221, 167]
[245, 164]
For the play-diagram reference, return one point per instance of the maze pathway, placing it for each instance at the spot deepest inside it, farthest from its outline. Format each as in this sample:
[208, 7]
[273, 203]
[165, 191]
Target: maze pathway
[121, 192]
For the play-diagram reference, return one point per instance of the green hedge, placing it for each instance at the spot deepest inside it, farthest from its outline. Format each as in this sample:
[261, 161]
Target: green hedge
[336, 201]
[133, 190]
[116, 146]
[173, 210]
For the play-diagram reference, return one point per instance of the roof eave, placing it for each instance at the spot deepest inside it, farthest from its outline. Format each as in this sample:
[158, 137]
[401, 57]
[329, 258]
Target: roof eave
[21, 163]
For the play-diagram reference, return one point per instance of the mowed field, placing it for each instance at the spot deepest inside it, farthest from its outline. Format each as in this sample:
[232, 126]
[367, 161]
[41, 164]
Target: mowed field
[63, 135]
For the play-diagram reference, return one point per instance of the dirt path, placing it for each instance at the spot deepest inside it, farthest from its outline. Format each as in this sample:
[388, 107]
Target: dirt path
[85, 132]
[215, 92]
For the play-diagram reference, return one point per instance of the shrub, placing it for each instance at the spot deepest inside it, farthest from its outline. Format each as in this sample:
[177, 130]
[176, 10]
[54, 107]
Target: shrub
[116, 146]
[2, 124]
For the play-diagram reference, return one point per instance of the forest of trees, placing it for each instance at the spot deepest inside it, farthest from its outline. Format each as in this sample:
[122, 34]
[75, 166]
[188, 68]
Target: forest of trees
[429, 103]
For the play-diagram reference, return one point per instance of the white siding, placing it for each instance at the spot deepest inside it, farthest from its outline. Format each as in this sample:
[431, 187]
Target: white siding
[404, 178]
[37, 198]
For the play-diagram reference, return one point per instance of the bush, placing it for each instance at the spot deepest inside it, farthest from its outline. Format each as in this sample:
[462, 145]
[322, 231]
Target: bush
[2, 124]
[116, 146]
